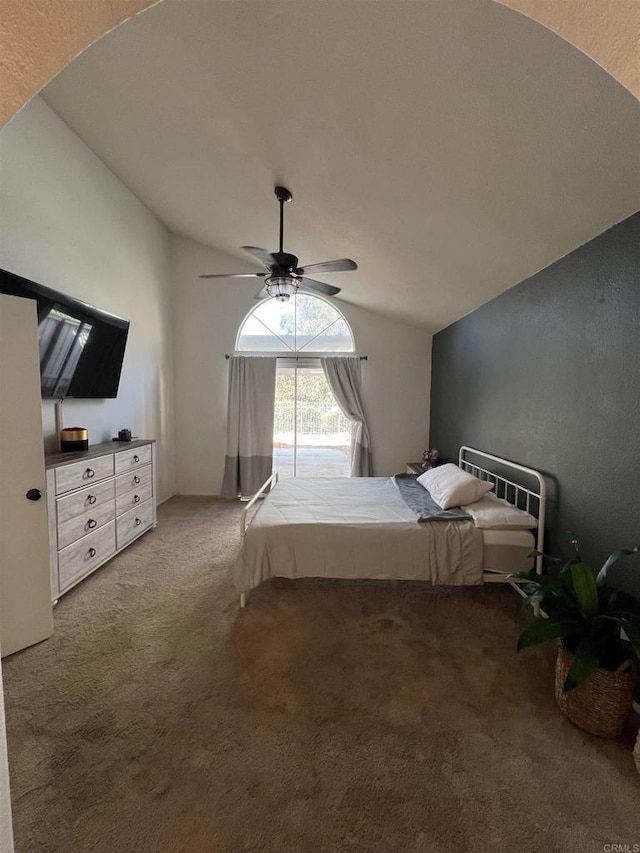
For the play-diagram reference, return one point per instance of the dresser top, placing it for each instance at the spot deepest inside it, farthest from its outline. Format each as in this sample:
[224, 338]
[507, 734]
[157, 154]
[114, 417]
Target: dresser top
[52, 460]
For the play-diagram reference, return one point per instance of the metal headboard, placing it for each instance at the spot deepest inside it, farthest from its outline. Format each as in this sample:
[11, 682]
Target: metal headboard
[531, 500]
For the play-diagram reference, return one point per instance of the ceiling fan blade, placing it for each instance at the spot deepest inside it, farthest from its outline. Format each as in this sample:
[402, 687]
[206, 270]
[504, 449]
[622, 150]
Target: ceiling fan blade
[234, 275]
[319, 286]
[262, 255]
[261, 294]
[340, 265]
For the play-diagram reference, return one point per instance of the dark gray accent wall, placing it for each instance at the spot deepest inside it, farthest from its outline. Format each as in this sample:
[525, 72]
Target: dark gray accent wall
[548, 374]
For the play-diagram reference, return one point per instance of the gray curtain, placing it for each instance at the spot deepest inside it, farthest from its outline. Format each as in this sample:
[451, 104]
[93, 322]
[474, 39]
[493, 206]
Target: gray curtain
[249, 456]
[343, 376]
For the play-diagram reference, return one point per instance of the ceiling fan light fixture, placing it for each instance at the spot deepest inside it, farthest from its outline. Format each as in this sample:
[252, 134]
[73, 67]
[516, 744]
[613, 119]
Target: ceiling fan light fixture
[281, 287]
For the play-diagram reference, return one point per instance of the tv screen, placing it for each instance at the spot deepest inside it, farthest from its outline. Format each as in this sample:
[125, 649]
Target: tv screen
[81, 347]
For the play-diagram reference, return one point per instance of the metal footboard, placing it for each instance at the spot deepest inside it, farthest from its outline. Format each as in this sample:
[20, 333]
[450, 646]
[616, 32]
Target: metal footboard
[261, 493]
[244, 522]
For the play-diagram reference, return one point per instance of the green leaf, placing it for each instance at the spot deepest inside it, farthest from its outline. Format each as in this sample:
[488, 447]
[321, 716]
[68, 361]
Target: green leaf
[624, 552]
[630, 626]
[584, 586]
[632, 630]
[543, 630]
[560, 585]
[585, 662]
[553, 560]
[633, 615]
[608, 598]
[561, 608]
[530, 577]
[555, 583]
[531, 599]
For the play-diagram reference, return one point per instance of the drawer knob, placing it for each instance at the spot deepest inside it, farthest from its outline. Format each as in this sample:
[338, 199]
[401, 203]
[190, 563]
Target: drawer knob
[89, 473]
[136, 458]
[33, 495]
[91, 499]
[92, 552]
[91, 523]
[136, 499]
[136, 480]
[138, 522]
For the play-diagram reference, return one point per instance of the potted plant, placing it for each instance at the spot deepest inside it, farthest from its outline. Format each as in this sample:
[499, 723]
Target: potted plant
[595, 667]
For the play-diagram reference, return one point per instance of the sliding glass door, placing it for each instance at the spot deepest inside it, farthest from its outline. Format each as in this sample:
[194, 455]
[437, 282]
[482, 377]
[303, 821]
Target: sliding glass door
[311, 436]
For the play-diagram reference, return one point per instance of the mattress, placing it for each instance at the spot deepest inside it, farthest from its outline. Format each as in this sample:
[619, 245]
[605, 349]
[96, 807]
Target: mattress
[353, 528]
[362, 528]
[507, 550]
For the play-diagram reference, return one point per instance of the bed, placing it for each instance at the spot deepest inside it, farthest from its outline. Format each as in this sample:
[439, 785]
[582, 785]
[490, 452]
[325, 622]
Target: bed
[363, 528]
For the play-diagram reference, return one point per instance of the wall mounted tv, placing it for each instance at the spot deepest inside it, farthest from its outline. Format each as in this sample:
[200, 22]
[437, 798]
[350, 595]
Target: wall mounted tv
[81, 347]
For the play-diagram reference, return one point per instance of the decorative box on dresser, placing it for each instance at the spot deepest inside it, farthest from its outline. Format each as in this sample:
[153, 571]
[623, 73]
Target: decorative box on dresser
[99, 501]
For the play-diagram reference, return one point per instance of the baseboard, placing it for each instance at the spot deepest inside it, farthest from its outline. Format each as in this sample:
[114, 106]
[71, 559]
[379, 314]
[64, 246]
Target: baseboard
[202, 495]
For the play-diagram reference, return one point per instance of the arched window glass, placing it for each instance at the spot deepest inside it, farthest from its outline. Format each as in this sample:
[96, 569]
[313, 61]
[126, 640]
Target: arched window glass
[304, 323]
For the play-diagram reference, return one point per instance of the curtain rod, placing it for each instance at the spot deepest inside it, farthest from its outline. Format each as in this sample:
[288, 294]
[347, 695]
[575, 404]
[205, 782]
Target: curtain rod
[314, 357]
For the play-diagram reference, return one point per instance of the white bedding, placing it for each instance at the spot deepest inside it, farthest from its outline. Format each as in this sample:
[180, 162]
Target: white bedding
[353, 528]
[507, 550]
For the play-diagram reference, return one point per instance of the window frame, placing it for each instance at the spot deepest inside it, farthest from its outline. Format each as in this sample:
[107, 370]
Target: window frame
[296, 354]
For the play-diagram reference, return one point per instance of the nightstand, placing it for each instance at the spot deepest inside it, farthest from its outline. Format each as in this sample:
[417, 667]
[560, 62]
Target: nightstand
[415, 468]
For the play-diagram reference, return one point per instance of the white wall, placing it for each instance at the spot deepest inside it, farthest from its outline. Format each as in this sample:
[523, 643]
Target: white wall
[67, 222]
[207, 315]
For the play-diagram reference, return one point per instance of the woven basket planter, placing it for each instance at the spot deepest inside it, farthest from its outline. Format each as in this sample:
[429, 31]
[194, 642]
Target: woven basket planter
[602, 704]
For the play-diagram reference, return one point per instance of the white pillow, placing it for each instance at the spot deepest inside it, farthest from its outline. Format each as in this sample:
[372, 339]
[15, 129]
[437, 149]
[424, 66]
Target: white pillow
[491, 512]
[451, 486]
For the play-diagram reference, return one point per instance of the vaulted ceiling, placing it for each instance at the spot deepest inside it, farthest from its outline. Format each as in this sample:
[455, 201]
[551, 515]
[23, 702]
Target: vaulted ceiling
[451, 147]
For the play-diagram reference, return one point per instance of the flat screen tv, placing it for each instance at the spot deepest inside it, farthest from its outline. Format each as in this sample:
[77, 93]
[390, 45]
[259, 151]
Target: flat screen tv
[81, 347]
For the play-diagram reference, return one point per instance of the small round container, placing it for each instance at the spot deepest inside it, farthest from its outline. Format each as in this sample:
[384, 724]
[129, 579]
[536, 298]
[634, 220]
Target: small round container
[74, 438]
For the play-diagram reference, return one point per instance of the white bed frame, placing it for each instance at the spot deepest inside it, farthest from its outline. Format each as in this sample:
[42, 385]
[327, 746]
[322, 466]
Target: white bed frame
[264, 489]
[532, 500]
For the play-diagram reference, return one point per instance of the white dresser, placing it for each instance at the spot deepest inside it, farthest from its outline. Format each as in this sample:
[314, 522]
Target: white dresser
[98, 502]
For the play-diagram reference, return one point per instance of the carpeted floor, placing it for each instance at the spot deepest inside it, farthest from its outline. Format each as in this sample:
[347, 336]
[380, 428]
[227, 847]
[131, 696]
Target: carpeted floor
[328, 716]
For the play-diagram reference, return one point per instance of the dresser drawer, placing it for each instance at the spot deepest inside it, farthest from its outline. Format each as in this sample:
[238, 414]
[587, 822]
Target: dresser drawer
[133, 522]
[129, 459]
[83, 473]
[80, 502]
[77, 560]
[79, 526]
[132, 499]
[133, 480]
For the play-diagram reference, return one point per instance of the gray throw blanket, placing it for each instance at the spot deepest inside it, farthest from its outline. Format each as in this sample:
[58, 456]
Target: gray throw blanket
[418, 499]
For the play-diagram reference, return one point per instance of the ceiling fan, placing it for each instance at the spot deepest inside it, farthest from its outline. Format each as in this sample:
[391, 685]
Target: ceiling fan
[284, 276]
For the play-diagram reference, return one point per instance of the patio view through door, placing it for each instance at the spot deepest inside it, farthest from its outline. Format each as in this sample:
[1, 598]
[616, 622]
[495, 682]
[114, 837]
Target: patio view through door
[311, 436]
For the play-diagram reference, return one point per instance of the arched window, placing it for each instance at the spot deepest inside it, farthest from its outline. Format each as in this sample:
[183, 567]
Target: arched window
[302, 324]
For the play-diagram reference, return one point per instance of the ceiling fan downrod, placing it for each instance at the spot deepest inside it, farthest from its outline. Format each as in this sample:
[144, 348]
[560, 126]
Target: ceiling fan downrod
[281, 284]
[283, 195]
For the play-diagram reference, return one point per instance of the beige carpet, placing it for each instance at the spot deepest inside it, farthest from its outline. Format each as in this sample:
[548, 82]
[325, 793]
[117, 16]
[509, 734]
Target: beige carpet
[328, 716]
